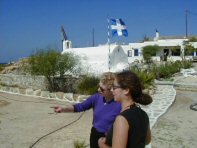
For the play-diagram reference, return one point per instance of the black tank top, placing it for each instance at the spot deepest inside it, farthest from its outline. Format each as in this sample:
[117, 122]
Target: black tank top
[138, 121]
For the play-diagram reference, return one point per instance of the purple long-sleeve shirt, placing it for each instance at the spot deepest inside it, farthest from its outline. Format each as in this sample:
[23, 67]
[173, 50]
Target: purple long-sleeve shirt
[104, 113]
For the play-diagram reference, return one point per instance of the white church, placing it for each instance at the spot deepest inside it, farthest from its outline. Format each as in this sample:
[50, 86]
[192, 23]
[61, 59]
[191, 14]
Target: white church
[100, 59]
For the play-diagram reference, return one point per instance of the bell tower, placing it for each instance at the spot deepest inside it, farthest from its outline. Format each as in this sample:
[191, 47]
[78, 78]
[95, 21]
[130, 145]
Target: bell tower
[66, 44]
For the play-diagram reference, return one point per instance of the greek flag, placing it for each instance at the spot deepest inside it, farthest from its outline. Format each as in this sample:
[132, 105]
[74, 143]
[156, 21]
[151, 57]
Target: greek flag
[118, 27]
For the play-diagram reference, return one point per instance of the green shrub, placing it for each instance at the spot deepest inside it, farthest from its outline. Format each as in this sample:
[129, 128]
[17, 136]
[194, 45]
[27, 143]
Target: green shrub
[88, 85]
[53, 65]
[166, 70]
[78, 144]
[1, 68]
[186, 64]
[148, 52]
[146, 79]
[163, 71]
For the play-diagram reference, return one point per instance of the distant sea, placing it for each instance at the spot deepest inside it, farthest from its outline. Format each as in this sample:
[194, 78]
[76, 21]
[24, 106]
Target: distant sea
[3, 63]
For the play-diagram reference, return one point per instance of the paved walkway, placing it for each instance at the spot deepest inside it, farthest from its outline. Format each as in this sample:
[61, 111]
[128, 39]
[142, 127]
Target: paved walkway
[162, 100]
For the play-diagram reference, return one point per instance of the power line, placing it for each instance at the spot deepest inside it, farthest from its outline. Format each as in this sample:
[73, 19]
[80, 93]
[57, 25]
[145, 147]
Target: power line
[192, 13]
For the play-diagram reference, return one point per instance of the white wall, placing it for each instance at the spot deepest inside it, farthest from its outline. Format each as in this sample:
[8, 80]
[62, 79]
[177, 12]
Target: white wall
[96, 59]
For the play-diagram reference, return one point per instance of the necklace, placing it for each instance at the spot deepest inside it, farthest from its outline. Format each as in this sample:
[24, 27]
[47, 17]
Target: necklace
[131, 106]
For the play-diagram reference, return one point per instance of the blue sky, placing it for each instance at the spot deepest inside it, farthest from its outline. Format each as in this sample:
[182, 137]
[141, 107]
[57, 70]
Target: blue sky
[27, 25]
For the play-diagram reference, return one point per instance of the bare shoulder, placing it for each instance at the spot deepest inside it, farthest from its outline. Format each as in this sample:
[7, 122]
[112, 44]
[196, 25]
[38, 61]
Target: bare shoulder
[121, 121]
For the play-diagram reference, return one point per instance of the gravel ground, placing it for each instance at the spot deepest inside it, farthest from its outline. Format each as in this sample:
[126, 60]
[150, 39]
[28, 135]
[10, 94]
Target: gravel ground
[23, 120]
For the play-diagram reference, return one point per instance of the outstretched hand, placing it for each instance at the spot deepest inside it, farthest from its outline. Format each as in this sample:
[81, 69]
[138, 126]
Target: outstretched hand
[57, 109]
[101, 143]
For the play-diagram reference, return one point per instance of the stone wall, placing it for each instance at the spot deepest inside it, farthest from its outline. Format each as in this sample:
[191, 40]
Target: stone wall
[33, 86]
[23, 81]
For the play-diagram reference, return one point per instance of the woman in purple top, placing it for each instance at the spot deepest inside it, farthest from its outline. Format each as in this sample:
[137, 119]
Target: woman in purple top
[105, 109]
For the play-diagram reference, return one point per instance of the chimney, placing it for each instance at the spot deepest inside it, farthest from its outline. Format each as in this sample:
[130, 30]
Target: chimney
[156, 35]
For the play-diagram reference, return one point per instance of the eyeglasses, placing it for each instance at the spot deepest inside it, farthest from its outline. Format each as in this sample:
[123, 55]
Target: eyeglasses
[102, 89]
[115, 87]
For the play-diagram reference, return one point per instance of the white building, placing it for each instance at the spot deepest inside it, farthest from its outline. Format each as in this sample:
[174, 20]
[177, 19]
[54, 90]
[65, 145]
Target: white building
[96, 59]
[167, 46]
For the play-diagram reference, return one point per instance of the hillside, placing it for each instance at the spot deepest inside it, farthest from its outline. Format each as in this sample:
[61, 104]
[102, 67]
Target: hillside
[17, 67]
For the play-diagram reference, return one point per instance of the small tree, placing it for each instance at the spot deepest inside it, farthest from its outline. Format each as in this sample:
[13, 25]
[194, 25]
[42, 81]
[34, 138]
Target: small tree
[50, 63]
[148, 52]
[189, 48]
[67, 63]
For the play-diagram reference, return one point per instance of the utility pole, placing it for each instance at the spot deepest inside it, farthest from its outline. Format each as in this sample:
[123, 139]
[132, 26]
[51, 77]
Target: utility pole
[93, 37]
[186, 23]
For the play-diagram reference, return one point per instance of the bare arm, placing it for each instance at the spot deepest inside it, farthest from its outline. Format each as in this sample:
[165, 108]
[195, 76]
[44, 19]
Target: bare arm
[120, 132]
[148, 135]
[59, 109]
[120, 135]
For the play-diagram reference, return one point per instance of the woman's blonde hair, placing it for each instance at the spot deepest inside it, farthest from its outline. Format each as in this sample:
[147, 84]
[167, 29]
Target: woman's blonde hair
[107, 79]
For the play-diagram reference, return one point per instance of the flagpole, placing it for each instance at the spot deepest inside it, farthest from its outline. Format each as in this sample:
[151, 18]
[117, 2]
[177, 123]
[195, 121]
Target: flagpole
[108, 42]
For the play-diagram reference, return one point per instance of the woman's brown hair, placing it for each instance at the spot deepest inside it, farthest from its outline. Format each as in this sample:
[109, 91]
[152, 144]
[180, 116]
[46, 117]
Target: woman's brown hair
[130, 80]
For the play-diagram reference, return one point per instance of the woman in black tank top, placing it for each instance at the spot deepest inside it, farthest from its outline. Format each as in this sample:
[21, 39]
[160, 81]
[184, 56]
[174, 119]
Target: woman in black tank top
[131, 128]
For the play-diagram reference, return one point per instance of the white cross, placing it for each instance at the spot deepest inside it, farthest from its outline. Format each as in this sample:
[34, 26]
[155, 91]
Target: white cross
[119, 27]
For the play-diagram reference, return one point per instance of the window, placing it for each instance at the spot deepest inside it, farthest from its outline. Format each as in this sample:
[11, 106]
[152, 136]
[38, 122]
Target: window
[129, 53]
[136, 52]
[67, 44]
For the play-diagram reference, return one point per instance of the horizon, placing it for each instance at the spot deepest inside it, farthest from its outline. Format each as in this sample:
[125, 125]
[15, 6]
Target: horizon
[27, 25]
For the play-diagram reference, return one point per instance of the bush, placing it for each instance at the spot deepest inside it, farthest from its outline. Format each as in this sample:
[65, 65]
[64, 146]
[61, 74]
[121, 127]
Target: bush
[186, 64]
[53, 65]
[146, 79]
[78, 144]
[1, 67]
[148, 52]
[88, 85]
[163, 71]
[168, 69]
